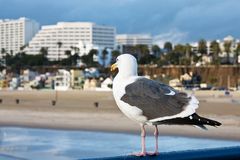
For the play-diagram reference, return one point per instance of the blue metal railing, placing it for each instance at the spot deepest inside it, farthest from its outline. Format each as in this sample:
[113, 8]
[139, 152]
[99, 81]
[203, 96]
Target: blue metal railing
[228, 153]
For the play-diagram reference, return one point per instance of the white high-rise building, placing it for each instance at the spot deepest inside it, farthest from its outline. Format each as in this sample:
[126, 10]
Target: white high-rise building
[134, 39]
[126, 42]
[16, 33]
[69, 34]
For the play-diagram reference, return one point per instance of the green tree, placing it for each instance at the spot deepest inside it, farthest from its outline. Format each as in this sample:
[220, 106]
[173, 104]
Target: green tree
[143, 54]
[237, 53]
[115, 54]
[75, 49]
[215, 51]
[22, 60]
[11, 52]
[188, 51]
[227, 48]
[141, 50]
[3, 51]
[93, 52]
[156, 50]
[173, 58]
[168, 47]
[67, 61]
[104, 57]
[23, 47]
[71, 60]
[88, 59]
[75, 58]
[180, 51]
[68, 53]
[202, 46]
[147, 59]
[3, 57]
[44, 51]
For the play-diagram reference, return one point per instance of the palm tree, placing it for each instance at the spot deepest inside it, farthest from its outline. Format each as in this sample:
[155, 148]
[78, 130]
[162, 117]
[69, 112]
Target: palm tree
[202, 46]
[115, 54]
[23, 47]
[11, 52]
[69, 59]
[3, 56]
[104, 56]
[75, 49]
[59, 44]
[215, 50]
[3, 52]
[68, 53]
[44, 52]
[227, 48]
[180, 50]
[188, 50]
[237, 53]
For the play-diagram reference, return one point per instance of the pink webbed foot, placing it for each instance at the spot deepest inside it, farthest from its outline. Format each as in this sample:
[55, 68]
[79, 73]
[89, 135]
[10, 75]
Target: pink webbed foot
[153, 153]
[140, 154]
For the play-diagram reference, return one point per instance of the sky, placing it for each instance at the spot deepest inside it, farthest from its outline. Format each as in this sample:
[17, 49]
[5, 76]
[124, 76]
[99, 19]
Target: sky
[178, 21]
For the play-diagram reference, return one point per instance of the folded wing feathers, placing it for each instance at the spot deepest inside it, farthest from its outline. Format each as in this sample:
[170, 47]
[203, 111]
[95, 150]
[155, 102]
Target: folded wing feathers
[150, 94]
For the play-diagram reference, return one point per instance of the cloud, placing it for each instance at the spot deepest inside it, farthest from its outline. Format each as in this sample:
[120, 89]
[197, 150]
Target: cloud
[209, 19]
[174, 36]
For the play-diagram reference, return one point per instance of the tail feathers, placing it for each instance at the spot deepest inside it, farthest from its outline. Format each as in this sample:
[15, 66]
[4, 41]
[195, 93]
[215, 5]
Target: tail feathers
[193, 119]
[206, 121]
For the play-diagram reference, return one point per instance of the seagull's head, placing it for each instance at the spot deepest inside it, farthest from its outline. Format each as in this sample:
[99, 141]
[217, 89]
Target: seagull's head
[126, 64]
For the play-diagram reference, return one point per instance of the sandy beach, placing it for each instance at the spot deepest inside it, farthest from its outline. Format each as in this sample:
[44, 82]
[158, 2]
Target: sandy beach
[76, 110]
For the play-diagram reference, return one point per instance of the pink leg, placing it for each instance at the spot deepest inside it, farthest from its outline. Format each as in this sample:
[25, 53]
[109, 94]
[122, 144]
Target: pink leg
[143, 135]
[156, 133]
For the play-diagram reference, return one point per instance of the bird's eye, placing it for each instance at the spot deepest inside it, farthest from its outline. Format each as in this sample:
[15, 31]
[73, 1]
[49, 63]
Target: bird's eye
[117, 59]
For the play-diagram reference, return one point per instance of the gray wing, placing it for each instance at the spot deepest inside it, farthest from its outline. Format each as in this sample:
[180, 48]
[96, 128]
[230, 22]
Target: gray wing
[155, 98]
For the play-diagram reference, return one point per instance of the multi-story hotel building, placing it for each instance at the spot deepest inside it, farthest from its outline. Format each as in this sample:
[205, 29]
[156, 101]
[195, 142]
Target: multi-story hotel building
[134, 39]
[64, 36]
[126, 42]
[14, 34]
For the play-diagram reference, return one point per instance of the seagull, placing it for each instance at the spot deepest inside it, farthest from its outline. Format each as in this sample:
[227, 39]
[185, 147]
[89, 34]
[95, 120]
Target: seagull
[153, 103]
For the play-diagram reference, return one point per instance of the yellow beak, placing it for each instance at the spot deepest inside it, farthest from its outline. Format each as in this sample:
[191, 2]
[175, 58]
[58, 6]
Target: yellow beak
[113, 67]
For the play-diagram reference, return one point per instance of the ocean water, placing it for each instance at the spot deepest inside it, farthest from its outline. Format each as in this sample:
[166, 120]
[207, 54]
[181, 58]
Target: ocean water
[39, 144]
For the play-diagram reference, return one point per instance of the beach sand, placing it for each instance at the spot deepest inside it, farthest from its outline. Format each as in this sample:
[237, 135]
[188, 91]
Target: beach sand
[76, 110]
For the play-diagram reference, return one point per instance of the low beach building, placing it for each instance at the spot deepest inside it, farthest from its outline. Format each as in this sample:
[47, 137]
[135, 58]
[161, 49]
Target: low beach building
[106, 85]
[90, 84]
[62, 80]
[3, 84]
[14, 83]
[77, 79]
